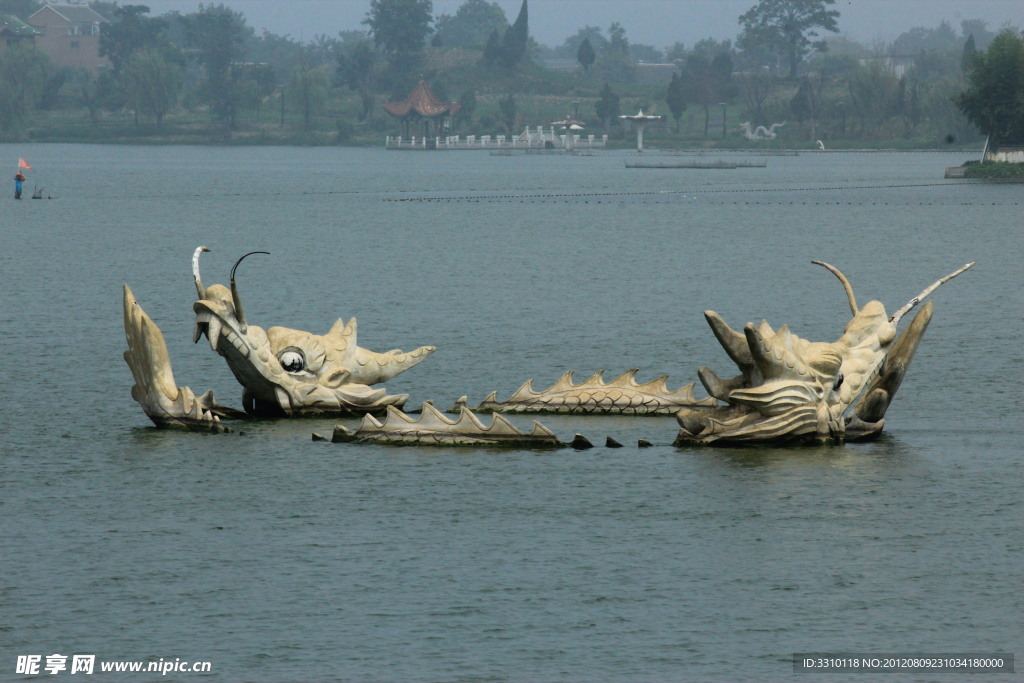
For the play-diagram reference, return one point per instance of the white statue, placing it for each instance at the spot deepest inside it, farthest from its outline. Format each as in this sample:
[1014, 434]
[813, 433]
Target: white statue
[760, 133]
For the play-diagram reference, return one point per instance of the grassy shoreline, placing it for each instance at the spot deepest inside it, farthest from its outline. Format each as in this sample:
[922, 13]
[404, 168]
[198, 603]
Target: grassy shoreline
[994, 170]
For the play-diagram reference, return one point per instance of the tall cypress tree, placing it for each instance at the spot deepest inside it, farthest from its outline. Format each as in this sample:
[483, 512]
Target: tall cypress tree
[585, 55]
[521, 31]
[607, 107]
[492, 50]
[968, 54]
[516, 38]
[676, 98]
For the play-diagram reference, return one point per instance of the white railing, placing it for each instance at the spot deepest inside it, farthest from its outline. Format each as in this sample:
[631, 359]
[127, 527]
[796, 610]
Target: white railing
[538, 139]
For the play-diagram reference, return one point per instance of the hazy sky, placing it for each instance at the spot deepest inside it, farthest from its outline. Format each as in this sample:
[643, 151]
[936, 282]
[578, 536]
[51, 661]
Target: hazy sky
[654, 22]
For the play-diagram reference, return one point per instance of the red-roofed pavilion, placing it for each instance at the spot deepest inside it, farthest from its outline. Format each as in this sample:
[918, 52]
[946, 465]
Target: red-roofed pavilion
[422, 107]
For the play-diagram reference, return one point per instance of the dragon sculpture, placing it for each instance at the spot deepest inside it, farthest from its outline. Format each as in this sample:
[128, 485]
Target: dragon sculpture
[760, 132]
[791, 389]
[622, 396]
[283, 372]
[286, 372]
[167, 405]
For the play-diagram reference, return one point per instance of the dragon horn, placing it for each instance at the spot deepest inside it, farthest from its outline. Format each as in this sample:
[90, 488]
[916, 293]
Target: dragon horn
[239, 313]
[195, 271]
[895, 319]
[846, 284]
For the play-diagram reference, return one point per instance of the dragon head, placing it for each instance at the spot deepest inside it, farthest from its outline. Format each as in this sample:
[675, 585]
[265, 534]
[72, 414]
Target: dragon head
[790, 388]
[291, 372]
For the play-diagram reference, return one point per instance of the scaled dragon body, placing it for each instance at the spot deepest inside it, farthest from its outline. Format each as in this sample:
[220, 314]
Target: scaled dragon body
[433, 428]
[622, 396]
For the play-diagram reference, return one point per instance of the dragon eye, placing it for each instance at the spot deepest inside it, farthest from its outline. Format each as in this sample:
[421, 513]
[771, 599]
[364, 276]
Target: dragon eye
[292, 361]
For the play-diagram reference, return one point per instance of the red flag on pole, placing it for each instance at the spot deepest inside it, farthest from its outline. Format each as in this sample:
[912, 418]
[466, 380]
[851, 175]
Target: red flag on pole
[23, 164]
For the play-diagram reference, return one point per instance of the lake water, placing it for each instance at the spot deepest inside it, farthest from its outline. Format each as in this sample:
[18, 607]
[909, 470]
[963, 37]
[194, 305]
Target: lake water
[276, 558]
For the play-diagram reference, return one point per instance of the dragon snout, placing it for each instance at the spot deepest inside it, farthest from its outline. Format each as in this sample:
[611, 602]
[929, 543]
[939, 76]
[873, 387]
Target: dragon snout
[336, 378]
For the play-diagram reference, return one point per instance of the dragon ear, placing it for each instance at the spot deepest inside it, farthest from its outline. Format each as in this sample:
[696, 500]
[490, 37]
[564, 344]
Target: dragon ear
[342, 330]
[338, 328]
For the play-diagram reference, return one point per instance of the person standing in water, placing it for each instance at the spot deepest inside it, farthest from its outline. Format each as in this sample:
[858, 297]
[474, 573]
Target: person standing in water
[19, 177]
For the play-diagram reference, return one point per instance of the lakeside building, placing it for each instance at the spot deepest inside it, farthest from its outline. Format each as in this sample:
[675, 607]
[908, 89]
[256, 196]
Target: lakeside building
[70, 36]
[14, 31]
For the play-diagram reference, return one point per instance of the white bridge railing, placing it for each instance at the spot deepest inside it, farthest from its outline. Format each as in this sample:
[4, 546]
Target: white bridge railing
[535, 139]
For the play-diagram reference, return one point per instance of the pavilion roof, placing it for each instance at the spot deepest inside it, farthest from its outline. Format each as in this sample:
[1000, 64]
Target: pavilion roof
[423, 102]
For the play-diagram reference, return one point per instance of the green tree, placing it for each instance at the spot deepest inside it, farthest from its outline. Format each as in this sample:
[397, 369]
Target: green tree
[53, 86]
[909, 103]
[617, 42]
[646, 53]
[616, 63]
[994, 98]
[321, 50]
[607, 107]
[507, 106]
[874, 95]
[571, 45]
[308, 90]
[471, 24]
[968, 54]
[151, 84]
[23, 75]
[255, 82]
[516, 40]
[468, 102]
[941, 38]
[218, 33]
[492, 50]
[758, 89]
[357, 68]
[707, 82]
[676, 98]
[277, 52]
[676, 52]
[585, 55]
[806, 104]
[129, 31]
[709, 49]
[788, 26]
[86, 93]
[979, 29]
[400, 29]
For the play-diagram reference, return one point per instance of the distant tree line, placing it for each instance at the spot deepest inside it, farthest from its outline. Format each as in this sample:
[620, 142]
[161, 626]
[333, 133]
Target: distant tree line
[929, 81]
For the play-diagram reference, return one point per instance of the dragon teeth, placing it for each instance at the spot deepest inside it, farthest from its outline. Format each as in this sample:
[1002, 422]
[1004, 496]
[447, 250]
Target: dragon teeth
[213, 329]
